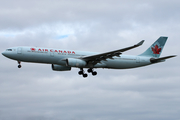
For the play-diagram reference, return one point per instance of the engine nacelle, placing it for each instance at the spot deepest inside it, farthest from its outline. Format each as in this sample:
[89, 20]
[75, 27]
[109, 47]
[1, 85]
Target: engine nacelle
[60, 68]
[73, 62]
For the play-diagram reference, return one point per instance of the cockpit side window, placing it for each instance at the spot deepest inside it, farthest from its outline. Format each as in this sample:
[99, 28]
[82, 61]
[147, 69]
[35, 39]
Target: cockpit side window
[9, 50]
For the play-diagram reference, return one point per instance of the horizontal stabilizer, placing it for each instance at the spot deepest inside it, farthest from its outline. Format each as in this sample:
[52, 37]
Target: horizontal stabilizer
[153, 60]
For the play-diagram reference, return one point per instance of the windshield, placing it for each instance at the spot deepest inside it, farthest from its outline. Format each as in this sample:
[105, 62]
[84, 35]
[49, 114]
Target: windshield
[9, 50]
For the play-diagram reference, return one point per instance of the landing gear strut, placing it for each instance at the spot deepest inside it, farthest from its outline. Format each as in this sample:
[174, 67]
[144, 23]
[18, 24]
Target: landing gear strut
[81, 72]
[90, 70]
[19, 66]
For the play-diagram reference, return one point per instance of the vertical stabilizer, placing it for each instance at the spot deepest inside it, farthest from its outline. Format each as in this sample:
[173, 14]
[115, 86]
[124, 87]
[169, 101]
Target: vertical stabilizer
[156, 48]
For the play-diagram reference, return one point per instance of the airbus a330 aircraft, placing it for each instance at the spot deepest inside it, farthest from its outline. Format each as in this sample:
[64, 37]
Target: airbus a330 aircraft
[63, 60]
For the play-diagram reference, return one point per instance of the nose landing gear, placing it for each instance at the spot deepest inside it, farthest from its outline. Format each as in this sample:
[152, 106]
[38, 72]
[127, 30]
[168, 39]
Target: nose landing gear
[19, 66]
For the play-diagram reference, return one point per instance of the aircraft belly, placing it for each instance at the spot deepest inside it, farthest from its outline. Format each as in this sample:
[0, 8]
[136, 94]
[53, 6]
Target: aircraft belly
[119, 64]
[126, 63]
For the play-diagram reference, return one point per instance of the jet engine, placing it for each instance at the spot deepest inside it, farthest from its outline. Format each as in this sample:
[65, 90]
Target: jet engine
[73, 62]
[60, 68]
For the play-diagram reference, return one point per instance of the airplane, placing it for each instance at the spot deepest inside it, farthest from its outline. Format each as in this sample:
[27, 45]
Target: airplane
[64, 60]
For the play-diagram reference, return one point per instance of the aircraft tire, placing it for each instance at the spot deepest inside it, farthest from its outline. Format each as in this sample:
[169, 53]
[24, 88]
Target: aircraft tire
[85, 75]
[90, 70]
[80, 72]
[94, 73]
[19, 66]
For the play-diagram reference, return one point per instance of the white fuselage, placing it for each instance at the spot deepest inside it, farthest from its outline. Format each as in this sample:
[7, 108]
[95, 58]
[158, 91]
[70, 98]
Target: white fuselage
[57, 56]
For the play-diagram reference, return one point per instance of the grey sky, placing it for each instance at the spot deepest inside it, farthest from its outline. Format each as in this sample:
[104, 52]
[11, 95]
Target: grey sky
[35, 92]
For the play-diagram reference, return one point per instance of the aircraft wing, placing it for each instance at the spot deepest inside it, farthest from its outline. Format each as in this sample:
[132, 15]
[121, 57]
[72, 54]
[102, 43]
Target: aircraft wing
[94, 59]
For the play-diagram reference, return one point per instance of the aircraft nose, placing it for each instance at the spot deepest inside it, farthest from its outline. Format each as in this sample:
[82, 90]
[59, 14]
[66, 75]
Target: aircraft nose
[3, 53]
[7, 54]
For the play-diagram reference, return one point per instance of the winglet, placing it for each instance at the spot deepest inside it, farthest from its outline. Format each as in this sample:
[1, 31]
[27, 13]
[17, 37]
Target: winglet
[140, 43]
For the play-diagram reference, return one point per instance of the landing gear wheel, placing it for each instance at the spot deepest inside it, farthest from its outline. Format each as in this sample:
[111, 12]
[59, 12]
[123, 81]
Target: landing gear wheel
[90, 70]
[19, 62]
[80, 72]
[19, 66]
[85, 75]
[94, 73]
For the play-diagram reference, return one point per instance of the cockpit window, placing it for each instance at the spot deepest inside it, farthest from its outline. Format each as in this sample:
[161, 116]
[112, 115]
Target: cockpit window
[9, 50]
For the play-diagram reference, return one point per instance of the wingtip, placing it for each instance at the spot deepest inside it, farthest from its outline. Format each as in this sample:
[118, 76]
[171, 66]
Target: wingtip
[174, 55]
[140, 43]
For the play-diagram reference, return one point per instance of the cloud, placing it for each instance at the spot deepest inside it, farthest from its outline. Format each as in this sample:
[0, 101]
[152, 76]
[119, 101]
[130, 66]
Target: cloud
[37, 92]
[61, 36]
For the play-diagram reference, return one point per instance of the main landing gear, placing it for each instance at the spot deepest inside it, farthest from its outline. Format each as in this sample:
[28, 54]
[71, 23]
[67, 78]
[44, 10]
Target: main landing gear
[81, 72]
[90, 70]
[19, 66]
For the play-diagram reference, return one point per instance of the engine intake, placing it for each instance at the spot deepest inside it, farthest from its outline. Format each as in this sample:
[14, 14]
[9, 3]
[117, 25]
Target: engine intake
[60, 68]
[73, 62]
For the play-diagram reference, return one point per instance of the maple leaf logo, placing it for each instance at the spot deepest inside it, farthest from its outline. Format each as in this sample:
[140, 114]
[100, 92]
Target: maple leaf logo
[33, 49]
[156, 49]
